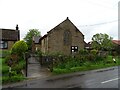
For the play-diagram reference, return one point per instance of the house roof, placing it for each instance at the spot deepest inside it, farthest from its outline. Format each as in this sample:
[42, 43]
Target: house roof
[57, 27]
[88, 45]
[36, 39]
[116, 42]
[9, 34]
[65, 21]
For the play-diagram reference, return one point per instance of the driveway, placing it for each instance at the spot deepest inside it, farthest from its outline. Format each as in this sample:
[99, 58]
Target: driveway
[35, 70]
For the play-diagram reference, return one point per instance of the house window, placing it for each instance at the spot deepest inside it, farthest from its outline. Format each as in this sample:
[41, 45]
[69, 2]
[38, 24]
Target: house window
[74, 49]
[3, 44]
[67, 37]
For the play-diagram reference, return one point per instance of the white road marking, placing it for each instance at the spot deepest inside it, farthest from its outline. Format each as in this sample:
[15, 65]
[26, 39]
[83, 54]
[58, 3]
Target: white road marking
[110, 80]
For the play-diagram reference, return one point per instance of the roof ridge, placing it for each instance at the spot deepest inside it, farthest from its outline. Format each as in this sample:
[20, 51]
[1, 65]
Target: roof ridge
[63, 22]
[7, 29]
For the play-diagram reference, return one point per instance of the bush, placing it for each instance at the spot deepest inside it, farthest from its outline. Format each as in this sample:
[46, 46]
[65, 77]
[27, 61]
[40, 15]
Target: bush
[60, 65]
[17, 78]
[19, 66]
[38, 53]
[18, 63]
[99, 58]
[83, 52]
[14, 58]
[94, 52]
[19, 48]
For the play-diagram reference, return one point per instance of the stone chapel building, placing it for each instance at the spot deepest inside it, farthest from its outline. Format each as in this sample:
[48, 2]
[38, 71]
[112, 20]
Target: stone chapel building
[65, 38]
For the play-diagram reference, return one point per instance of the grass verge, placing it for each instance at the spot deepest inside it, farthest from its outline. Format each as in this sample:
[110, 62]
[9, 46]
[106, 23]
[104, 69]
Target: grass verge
[88, 66]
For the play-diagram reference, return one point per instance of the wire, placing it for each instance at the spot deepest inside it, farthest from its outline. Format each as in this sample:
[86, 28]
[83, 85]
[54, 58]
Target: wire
[103, 6]
[99, 23]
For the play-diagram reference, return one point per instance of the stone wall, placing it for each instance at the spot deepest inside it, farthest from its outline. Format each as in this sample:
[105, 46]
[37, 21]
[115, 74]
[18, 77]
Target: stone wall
[10, 44]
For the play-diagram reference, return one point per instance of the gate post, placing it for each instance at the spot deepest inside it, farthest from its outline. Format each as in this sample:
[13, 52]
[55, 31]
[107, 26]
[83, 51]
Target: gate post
[26, 65]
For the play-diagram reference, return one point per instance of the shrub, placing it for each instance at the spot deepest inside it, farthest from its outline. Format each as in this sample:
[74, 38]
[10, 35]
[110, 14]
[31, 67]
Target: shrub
[87, 64]
[99, 58]
[38, 53]
[83, 52]
[19, 48]
[13, 73]
[94, 52]
[91, 57]
[17, 78]
[19, 66]
[14, 58]
[60, 65]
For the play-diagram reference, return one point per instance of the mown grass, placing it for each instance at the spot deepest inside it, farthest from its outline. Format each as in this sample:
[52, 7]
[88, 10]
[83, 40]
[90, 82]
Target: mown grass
[108, 62]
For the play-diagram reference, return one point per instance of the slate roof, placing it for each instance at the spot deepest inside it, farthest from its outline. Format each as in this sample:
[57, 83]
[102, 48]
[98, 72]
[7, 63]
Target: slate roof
[58, 26]
[36, 39]
[43, 37]
[9, 34]
[88, 45]
[67, 20]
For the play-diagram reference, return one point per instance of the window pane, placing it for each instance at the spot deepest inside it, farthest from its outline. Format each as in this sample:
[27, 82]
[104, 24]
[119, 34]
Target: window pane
[72, 47]
[3, 44]
[1, 41]
[72, 50]
[67, 37]
[75, 47]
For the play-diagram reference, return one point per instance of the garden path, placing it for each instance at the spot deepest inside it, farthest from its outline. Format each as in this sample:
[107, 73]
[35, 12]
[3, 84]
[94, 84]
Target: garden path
[35, 70]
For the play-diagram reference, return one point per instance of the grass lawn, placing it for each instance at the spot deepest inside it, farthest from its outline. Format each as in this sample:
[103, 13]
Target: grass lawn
[89, 66]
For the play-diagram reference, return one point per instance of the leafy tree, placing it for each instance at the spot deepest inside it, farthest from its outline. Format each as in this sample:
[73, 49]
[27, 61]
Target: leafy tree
[102, 42]
[29, 36]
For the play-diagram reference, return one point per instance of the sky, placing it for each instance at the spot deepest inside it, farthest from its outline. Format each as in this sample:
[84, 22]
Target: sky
[89, 16]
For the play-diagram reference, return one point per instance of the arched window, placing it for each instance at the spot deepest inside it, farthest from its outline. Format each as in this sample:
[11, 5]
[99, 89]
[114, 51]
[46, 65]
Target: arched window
[67, 37]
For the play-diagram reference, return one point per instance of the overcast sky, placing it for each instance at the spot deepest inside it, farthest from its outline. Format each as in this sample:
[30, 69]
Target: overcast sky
[90, 16]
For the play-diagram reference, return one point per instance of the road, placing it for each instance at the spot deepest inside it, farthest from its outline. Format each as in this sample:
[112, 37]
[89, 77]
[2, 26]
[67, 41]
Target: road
[102, 78]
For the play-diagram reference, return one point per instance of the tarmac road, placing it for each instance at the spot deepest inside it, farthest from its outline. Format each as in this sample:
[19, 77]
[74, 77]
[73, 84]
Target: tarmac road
[102, 78]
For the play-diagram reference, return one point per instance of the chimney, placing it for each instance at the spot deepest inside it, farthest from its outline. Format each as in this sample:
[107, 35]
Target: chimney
[17, 28]
[67, 17]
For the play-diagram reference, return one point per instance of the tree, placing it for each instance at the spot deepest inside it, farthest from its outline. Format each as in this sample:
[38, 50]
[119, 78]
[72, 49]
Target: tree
[29, 36]
[102, 42]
